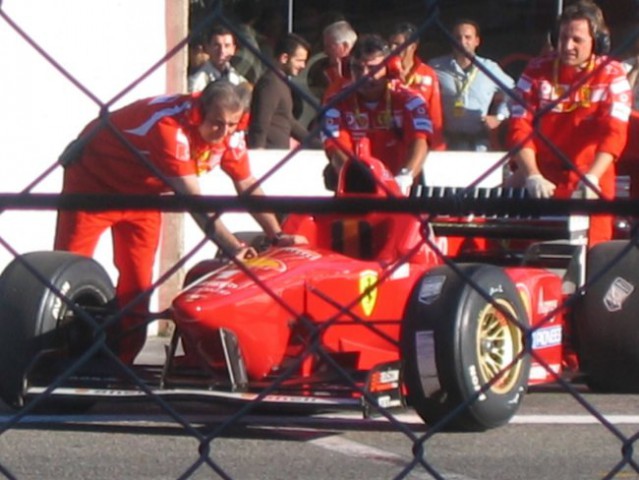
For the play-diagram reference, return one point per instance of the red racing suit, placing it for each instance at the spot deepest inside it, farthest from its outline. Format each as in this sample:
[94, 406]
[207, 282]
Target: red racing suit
[592, 118]
[163, 130]
[389, 124]
[423, 79]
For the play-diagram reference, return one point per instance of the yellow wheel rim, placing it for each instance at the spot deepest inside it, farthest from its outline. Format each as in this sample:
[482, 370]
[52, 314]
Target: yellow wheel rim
[499, 341]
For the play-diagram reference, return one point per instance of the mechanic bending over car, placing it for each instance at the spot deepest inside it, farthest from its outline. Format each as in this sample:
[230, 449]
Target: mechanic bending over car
[178, 138]
[587, 125]
[381, 115]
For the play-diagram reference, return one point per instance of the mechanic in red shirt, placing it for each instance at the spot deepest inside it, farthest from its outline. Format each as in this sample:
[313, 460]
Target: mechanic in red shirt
[420, 77]
[392, 122]
[573, 118]
[170, 141]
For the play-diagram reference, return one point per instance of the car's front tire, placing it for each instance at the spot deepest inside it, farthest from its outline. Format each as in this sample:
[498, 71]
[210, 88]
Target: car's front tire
[455, 342]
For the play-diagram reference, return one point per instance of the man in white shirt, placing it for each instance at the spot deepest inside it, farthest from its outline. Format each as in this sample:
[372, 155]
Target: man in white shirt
[468, 95]
[221, 47]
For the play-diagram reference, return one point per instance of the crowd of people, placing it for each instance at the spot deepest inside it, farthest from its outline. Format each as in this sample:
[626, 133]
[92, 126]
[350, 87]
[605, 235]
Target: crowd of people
[469, 99]
[565, 122]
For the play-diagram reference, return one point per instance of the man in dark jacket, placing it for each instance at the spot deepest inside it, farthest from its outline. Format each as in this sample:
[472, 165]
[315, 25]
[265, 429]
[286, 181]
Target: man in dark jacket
[272, 124]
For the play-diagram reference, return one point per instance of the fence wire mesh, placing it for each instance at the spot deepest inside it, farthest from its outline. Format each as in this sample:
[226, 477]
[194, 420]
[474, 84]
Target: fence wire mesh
[387, 321]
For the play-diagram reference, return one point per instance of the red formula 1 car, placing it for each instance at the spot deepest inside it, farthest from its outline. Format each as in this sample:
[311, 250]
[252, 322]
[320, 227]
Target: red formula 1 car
[369, 314]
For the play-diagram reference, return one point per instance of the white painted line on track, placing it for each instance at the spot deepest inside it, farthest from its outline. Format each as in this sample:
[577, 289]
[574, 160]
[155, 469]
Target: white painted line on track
[573, 419]
[548, 419]
[410, 419]
[344, 446]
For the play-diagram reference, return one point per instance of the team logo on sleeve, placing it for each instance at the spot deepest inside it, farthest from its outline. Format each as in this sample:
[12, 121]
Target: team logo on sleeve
[620, 85]
[331, 124]
[524, 84]
[517, 111]
[414, 103]
[620, 111]
[332, 113]
[423, 124]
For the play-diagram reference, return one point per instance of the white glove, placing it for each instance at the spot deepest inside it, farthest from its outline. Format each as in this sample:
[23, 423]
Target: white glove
[583, 190]
[405, 181]
[539, 187]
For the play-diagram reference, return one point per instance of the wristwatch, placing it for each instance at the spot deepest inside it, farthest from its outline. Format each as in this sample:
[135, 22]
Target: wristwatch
[501, 117]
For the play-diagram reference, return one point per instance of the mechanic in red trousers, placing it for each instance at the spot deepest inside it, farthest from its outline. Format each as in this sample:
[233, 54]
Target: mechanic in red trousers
[578, 100]
[390, 120]
[178, 138]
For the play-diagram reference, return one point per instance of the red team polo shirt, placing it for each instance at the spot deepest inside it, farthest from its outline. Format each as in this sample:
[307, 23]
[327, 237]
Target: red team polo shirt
[390, 124]
[164, 130]
[593, 117]
[423, 79]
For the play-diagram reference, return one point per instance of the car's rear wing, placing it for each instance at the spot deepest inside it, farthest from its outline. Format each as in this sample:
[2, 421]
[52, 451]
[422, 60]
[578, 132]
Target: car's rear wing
[552, 241]
[573, 228]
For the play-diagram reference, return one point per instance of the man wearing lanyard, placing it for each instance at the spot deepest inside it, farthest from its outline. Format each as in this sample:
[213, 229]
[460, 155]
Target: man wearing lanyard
[474, 104]
[571, 124]
[418, 76]
[392, 123]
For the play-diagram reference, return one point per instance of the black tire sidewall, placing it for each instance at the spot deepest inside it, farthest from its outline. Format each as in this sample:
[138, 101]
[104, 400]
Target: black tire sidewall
[491, 409]
[30, 312]
[607, 337]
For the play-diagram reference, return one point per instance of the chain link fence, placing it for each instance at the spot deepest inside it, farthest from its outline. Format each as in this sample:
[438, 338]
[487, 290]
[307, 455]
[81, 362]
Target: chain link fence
[377, 315]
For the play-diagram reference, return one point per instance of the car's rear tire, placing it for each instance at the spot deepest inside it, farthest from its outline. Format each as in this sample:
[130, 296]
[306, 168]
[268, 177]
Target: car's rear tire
[454, 342]
[606, 319]
[33, 318]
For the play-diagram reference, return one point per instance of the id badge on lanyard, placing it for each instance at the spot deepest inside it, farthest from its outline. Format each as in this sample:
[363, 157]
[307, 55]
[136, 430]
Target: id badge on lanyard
[459, 107]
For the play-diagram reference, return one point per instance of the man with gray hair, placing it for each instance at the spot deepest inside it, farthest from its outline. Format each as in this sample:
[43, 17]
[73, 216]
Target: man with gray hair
[155, 146]
[338, 38]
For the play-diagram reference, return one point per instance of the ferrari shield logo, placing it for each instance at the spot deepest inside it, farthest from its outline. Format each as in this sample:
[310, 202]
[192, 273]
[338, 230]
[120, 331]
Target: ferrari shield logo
[367, 279]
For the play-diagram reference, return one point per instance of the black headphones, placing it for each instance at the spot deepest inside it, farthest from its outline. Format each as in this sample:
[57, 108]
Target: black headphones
[591, 13]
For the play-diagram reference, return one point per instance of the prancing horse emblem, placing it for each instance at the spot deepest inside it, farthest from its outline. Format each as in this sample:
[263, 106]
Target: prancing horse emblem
[367, 279]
